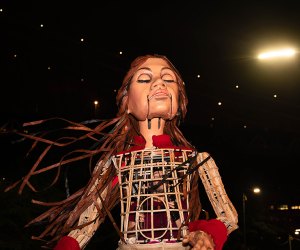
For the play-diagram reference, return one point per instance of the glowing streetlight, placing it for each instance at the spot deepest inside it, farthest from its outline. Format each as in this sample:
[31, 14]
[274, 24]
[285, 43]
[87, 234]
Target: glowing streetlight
[96, 103]
[255, 190]
[284, 53]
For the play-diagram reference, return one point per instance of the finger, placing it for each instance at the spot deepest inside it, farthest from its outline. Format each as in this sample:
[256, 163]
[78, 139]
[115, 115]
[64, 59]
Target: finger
[199, 244]
[207, 242]
[186, 239]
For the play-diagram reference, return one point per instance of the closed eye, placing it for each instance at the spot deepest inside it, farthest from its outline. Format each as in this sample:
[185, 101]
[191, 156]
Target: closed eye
[169, 81]
[143, 81]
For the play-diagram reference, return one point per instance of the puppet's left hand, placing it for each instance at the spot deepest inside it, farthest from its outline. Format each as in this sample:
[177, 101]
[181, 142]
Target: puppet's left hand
[199, 240]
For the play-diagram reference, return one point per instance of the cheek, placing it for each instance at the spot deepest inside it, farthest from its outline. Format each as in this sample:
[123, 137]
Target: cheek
[138, 95]
[137, 103]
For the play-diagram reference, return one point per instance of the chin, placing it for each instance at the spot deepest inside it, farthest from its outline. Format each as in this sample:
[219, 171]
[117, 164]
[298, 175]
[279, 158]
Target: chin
[159, 114]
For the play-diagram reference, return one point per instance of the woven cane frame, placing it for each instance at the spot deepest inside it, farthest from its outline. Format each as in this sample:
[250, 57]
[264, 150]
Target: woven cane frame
[137, 173]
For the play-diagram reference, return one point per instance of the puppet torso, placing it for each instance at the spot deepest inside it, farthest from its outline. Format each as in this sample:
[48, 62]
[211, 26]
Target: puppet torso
[154, 184]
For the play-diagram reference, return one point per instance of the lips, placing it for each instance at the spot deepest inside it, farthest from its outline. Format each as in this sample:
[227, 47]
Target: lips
[160, 93]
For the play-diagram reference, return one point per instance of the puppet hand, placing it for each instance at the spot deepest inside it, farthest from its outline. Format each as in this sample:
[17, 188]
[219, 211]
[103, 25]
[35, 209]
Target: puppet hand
[199, 240]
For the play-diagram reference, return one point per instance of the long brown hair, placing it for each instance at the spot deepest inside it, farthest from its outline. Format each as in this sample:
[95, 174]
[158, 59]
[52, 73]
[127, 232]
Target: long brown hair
[63, 216]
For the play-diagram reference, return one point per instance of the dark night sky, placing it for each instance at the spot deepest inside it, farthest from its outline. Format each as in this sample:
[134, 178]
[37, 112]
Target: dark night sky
[218, 40]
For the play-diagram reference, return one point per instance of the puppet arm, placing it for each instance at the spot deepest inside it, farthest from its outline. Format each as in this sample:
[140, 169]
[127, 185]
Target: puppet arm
[215, 190]
[84, 235]
[227, 217]
[79, 238]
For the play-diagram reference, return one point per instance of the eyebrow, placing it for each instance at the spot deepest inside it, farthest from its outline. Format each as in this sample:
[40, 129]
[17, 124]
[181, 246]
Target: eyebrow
[144, 68]
[151, 70]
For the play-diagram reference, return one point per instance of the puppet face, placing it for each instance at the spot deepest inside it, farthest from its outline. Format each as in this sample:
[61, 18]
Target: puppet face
[153, 91]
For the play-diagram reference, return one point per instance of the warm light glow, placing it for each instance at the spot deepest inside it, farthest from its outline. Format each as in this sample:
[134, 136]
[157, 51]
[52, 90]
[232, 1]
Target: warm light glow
[81, 39]
[295, 207]
[256, 190]
[236, 86]
[42, 25]
[283, 207]
[198, 76]
[219, 103]
[96, 102]
[277, 53]
[275, 96]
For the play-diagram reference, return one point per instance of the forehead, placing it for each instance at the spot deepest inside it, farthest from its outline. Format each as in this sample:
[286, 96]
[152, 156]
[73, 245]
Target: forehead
[154, 63]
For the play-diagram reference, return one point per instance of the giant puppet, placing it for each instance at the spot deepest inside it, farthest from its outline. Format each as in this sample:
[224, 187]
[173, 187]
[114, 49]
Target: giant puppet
[146, 165]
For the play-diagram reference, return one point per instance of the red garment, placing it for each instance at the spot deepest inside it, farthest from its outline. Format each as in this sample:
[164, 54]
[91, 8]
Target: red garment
[214, 227]
[67, 243]
[159, 141]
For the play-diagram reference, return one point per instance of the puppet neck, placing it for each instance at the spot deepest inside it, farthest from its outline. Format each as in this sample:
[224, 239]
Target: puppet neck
[149, 128]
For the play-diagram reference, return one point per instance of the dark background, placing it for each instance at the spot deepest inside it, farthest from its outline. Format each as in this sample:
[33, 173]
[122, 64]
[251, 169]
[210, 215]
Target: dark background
[254, 138]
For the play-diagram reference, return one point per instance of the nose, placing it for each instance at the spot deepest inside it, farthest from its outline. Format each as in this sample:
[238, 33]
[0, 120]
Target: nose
[158, 84]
